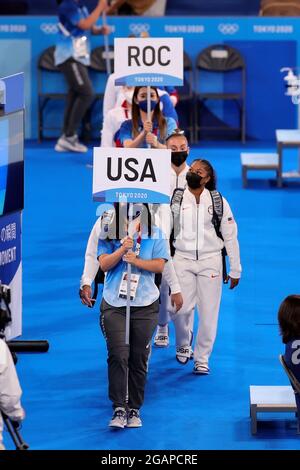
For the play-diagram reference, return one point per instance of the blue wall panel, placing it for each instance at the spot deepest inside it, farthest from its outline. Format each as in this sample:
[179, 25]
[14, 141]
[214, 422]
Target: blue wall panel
[267, 43]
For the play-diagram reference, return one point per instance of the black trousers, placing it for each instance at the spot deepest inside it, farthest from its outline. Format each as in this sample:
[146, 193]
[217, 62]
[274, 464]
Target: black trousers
[80, 94]
[128, 363]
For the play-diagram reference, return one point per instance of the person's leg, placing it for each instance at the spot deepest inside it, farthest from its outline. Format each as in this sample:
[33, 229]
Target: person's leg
[112, 322]
[161, 339]
[143, 322]
[209, 291]
[71, 96]
[183, 319]
[85, 95]
[80, 97]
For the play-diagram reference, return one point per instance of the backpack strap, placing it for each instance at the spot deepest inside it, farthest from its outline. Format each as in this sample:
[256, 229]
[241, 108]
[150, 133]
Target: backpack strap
[217, 202]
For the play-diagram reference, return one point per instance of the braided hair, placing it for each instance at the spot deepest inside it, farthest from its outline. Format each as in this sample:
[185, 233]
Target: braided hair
[211, 185]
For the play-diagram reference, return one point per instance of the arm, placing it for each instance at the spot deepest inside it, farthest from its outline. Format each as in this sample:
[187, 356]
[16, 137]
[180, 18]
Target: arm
[97, 30]
[109, 261]
[173, 94]
[134, 143]
[110, 94]
[163, 220]
[155, 265]
[159, 255]
[154, 142]
[91, 264]
[229, 232]
[87, 23]
[110, 127]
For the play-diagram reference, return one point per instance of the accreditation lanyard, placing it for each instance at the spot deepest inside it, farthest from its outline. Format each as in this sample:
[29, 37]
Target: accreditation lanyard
[134, 279]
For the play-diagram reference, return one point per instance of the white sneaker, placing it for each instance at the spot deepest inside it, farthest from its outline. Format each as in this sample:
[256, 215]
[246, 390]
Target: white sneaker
[133, 419]
[161, 339]
[119, 418]
[70, 144]
[201, 369]
[183, 354]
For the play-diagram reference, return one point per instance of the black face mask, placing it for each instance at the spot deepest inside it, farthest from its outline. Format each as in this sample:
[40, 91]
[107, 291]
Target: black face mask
[178, 158]
[194, 181]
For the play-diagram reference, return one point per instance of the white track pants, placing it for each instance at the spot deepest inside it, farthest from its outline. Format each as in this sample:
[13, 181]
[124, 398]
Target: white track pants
[163, 317]
[165, 308]
[201, 285]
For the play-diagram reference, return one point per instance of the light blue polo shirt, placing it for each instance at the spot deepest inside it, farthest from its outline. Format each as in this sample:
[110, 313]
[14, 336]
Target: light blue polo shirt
[70, 13]
[147, 292]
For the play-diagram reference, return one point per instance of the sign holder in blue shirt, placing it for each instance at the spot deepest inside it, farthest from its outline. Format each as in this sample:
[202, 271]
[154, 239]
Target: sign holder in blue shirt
[166, 53]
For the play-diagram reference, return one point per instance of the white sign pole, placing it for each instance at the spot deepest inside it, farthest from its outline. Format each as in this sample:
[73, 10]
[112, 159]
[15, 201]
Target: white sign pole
[106, 46]
[127, 325]
[148, 108]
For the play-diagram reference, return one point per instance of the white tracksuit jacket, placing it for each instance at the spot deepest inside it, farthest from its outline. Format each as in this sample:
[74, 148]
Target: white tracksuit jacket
[198, 266]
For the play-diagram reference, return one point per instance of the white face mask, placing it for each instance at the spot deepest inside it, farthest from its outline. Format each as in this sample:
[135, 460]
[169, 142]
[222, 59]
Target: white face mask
[128, 95]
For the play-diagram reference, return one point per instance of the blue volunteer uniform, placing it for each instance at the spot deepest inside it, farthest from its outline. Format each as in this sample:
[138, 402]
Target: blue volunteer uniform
[147, 291]
[70, 13]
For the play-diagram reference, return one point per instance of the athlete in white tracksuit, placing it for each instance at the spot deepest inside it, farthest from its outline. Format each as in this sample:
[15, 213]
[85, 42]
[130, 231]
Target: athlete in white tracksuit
[10, 390]
[198, 264]
[178, 144]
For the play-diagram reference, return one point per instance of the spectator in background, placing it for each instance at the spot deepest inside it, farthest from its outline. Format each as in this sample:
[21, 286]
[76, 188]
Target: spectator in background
[141, 132]
[289, 323]
[279, 8]
[72, 56]
[139, 7]
[116, 116]
[113, 97]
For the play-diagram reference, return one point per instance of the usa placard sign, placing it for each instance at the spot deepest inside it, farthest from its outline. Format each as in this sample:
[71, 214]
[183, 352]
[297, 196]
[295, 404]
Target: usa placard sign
[148, 61]
[132, 175]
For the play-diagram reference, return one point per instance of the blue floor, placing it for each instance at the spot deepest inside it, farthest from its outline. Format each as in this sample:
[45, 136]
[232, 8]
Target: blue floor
[65, 391]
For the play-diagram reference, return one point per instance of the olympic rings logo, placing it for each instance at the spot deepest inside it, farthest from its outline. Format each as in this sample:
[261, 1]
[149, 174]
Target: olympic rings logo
[138, 28]
[228, 28]
[49, 28]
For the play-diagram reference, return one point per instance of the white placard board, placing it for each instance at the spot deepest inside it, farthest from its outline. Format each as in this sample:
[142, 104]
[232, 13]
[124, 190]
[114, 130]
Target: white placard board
[132, 175]
[148, 61]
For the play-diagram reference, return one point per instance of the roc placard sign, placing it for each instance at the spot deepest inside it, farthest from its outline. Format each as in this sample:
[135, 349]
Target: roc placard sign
[132, 175]
[148, 61]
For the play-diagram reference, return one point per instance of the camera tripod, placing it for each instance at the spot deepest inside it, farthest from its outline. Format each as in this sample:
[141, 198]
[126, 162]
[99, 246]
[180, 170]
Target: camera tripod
[15, 347]
[13, 430]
